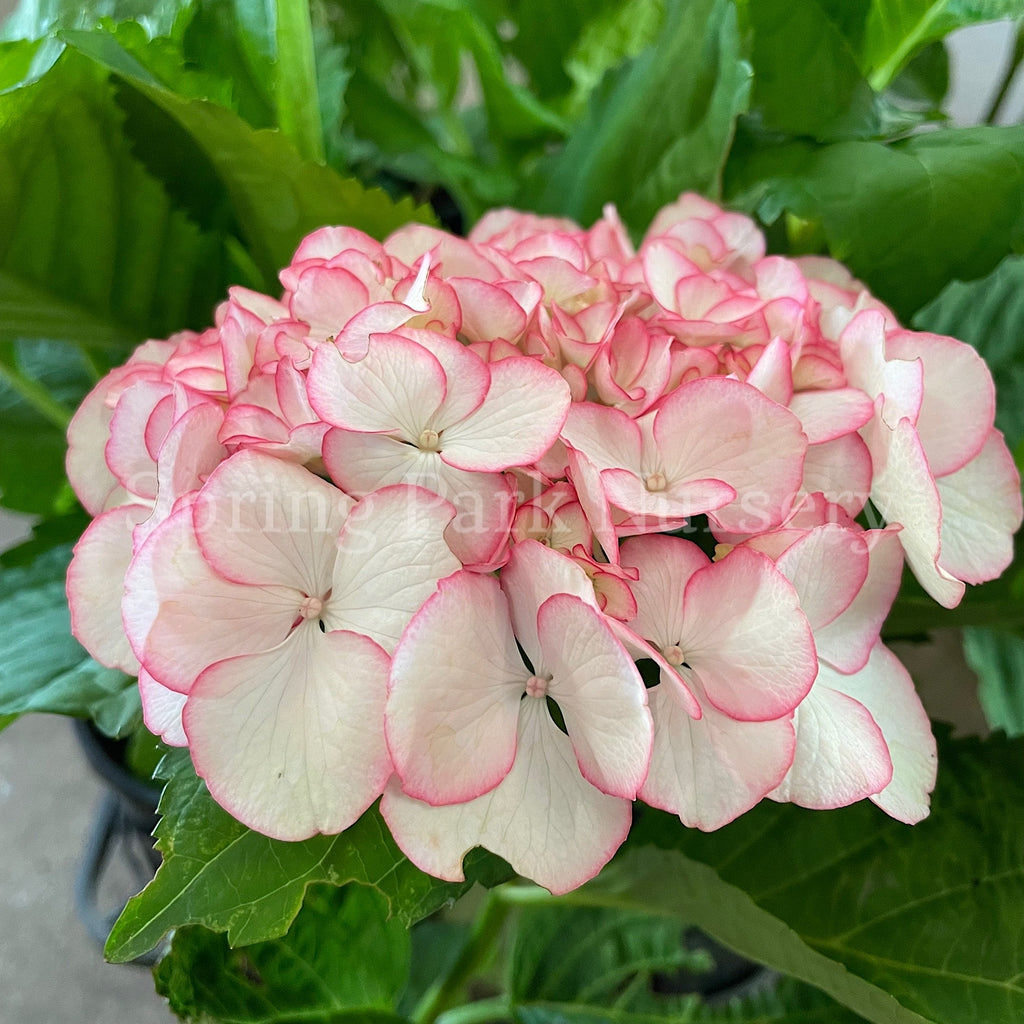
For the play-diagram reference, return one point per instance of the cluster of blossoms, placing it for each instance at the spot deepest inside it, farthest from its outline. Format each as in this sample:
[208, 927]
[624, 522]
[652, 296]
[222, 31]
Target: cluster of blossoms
[511, 531]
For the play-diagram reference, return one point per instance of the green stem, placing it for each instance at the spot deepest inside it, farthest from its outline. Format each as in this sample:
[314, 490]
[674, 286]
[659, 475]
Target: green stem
[1008, 76]
[37, 396]
[295, 87]
[447, 991]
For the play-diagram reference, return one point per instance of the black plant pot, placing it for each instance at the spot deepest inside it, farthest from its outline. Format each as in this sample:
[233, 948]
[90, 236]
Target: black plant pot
[119, 846]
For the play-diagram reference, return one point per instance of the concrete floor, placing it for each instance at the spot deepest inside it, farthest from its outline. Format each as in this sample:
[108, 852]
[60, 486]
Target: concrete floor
[51, 971]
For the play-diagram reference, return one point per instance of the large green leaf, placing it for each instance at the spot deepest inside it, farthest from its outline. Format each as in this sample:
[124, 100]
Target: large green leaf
[220, 874]
[342, 959]
[661, 124]
[900, 924]
[42, 668]
[897, 29]
[906, 217]
[794, 44]
[90, 246]
[275, 195]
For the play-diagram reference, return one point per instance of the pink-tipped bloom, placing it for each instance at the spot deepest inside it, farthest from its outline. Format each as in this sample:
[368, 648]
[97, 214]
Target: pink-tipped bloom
[469, 729]
[733, 634]
[425, 410]
[941, 471]
[271, 602]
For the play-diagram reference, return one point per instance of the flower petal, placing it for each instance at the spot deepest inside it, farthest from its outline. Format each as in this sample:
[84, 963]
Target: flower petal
[456, 683]
[905, 492]
[600, 693]
[161, 710]
[711, 770]
[758, 661]
[391, 554]
[518, 421]
[266, 522]
[715, 428]
[544, 818]
[181, 617]
[885, 688]
[291, 741]
[841, 755]
[981, 510]
[101, 559]
[397, 386]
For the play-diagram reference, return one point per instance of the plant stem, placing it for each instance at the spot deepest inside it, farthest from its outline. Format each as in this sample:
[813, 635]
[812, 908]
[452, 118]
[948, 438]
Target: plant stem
[446, 991]
[1008, 75]
[37, 396]
[295, 88]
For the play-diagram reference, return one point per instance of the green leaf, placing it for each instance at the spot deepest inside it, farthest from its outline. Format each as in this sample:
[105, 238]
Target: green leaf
[24, 61]
[636, 149]
[621, 31]
[897, 29]
[341, 955]
[794, 44]
[90, 247]
[34, 19]
[900, 924]
[906, 217]
[233, 42]
[220, 874]
[997, 659]
[275, 195]
[546, 33]
[436, 945]
[40, 385]
[989, 314]
[295, 82]
[42, 667]
[924, 82]
[786, 1002]
[598, 959]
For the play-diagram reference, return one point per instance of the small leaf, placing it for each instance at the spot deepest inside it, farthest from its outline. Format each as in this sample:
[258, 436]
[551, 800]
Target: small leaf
[220, 874]
[341, 955]
[42, 667]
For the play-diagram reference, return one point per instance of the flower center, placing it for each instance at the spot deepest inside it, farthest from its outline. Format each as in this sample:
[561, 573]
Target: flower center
[674, 655]
[311, 607]
[536, 687]
[655, 482]
[428, 441]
